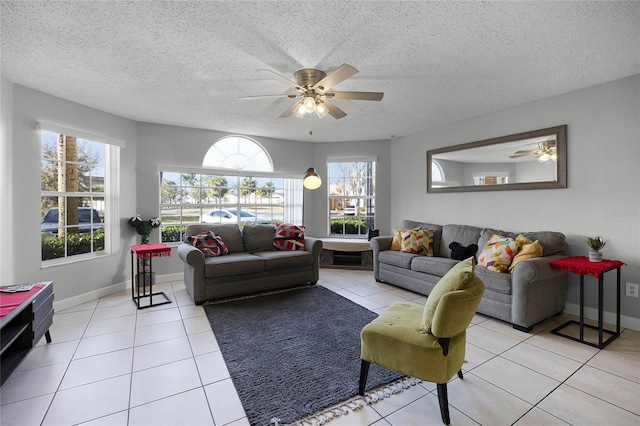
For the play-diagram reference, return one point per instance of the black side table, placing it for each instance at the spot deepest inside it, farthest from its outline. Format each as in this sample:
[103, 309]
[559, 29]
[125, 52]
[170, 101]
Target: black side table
[582, 266]
[142, 254]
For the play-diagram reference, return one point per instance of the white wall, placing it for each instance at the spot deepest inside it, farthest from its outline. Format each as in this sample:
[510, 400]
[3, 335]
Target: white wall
[22, 197]
[603, 194]
[6, 178]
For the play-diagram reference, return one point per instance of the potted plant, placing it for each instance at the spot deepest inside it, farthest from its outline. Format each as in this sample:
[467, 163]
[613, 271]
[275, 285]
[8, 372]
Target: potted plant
[144, 228]
[595, 245]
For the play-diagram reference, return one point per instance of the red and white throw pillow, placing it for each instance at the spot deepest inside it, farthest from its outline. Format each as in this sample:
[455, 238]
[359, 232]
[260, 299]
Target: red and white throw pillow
[288, 237]
[209, 244]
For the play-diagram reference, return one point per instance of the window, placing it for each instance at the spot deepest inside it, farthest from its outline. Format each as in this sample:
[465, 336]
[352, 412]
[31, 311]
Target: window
[74, 194]
[238, 153]
[189, 198]
[351, 197]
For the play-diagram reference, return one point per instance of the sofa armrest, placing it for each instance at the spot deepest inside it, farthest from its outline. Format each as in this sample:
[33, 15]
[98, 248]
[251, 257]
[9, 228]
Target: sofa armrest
[379, 244]
[538, 291]
[314, 245]
[191, 255]
[194, 279]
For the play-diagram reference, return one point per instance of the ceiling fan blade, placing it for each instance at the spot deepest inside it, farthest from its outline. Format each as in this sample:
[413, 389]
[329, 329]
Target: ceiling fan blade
[282, 79]
[290, 96]
[528, 152]
[341, 73]
[290, 110]
[520, 155]
[360, 96]
[335, 112]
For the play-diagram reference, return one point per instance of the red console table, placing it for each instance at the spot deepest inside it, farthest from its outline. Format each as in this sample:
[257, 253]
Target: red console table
[582, 266]
[143, 254]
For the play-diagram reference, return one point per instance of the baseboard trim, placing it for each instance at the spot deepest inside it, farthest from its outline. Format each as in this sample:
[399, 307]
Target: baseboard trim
[608, 317]
[70, 302]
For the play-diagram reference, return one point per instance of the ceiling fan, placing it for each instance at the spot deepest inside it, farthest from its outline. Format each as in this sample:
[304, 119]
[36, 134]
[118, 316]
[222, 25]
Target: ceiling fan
[546, 151]
[313, 90]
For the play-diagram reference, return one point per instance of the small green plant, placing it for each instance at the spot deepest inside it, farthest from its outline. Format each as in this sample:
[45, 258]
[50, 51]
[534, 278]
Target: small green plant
[144, 227]
[596, 243]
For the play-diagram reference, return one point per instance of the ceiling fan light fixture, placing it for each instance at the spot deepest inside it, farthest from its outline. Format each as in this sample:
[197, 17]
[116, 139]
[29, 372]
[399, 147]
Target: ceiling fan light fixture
[309, 104]
[544, 157]
[321, 109]
[299, 111]
[554, 156]
[311, 179]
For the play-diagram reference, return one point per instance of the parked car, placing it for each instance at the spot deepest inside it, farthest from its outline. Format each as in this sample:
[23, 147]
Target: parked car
[350, 210]
[49, 224]
[231, 216]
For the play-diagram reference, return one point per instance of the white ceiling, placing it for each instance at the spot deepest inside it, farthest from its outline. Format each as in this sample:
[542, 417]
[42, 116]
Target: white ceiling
[185, 63]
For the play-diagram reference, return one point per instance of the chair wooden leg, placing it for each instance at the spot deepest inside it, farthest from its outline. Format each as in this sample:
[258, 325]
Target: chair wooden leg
[444, 403]
[364, 373]
[460, 374]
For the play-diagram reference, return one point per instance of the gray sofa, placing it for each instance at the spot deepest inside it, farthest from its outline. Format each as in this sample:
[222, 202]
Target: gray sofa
[252, 265]
[532, 293]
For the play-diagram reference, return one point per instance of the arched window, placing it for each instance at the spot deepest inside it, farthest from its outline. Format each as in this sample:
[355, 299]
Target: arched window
[238, 153]
[437, 173]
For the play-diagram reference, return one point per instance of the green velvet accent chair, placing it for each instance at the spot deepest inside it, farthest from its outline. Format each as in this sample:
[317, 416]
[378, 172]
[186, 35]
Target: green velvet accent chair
[398, 340]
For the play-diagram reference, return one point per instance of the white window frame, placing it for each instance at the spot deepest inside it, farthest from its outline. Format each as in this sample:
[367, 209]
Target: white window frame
[367, 199]
[111, 194]
[291, 191]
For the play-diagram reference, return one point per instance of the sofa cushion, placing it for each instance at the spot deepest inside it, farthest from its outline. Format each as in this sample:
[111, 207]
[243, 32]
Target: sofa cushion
[418, 241]
[461, 234]
[229, 232]
[209, 244]
[232, 264]
[551, 242]
[528, 250]
[288, 237]
[437, 232]
[494, 281]
[498, 253]
[459, 277]
[258, 237]
[396, 258]
[275, 260]
[437, 266]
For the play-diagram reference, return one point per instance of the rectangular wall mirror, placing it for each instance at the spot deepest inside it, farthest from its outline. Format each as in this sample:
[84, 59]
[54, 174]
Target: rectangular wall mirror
[530, 160]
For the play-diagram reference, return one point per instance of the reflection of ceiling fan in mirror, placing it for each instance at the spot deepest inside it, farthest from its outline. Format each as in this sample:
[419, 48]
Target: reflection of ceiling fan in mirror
[313, 90]
[546, 151]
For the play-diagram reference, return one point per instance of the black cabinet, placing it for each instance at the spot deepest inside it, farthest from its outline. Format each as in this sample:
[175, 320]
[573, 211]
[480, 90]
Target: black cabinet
[23, 327]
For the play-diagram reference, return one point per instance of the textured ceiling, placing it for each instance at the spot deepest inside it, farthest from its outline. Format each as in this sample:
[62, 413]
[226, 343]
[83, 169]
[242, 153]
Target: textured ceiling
[185, 63]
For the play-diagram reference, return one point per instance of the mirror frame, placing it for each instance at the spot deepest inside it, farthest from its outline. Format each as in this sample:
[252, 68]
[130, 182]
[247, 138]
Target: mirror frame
[560, 133]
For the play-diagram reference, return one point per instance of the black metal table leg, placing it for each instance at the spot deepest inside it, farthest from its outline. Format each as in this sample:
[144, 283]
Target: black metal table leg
[581, 307]
[600, 308]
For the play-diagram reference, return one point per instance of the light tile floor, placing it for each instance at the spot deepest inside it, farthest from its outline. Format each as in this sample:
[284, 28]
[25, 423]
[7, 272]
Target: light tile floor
[111, 364]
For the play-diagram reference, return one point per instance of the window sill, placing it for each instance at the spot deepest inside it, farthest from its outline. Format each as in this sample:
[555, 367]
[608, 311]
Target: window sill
[45, 264]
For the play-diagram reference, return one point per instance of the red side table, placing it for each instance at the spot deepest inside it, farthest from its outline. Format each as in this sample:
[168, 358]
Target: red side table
[142, 253]
[582, 266]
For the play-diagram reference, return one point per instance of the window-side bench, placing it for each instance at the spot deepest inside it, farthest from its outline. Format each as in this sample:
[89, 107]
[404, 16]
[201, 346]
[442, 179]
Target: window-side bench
[346, 253]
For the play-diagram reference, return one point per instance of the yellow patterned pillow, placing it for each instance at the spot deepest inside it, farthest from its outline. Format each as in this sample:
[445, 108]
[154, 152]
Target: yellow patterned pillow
[397, 238]
[498, 253]
[417, 241]
[528, 250]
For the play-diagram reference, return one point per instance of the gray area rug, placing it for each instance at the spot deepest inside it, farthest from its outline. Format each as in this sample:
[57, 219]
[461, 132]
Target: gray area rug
[295, 353]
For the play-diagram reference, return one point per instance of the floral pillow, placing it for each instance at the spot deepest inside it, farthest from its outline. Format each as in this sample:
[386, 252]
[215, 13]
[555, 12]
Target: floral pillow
[417, 241]
[289, 237]
[209, 244]
[498, 253]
